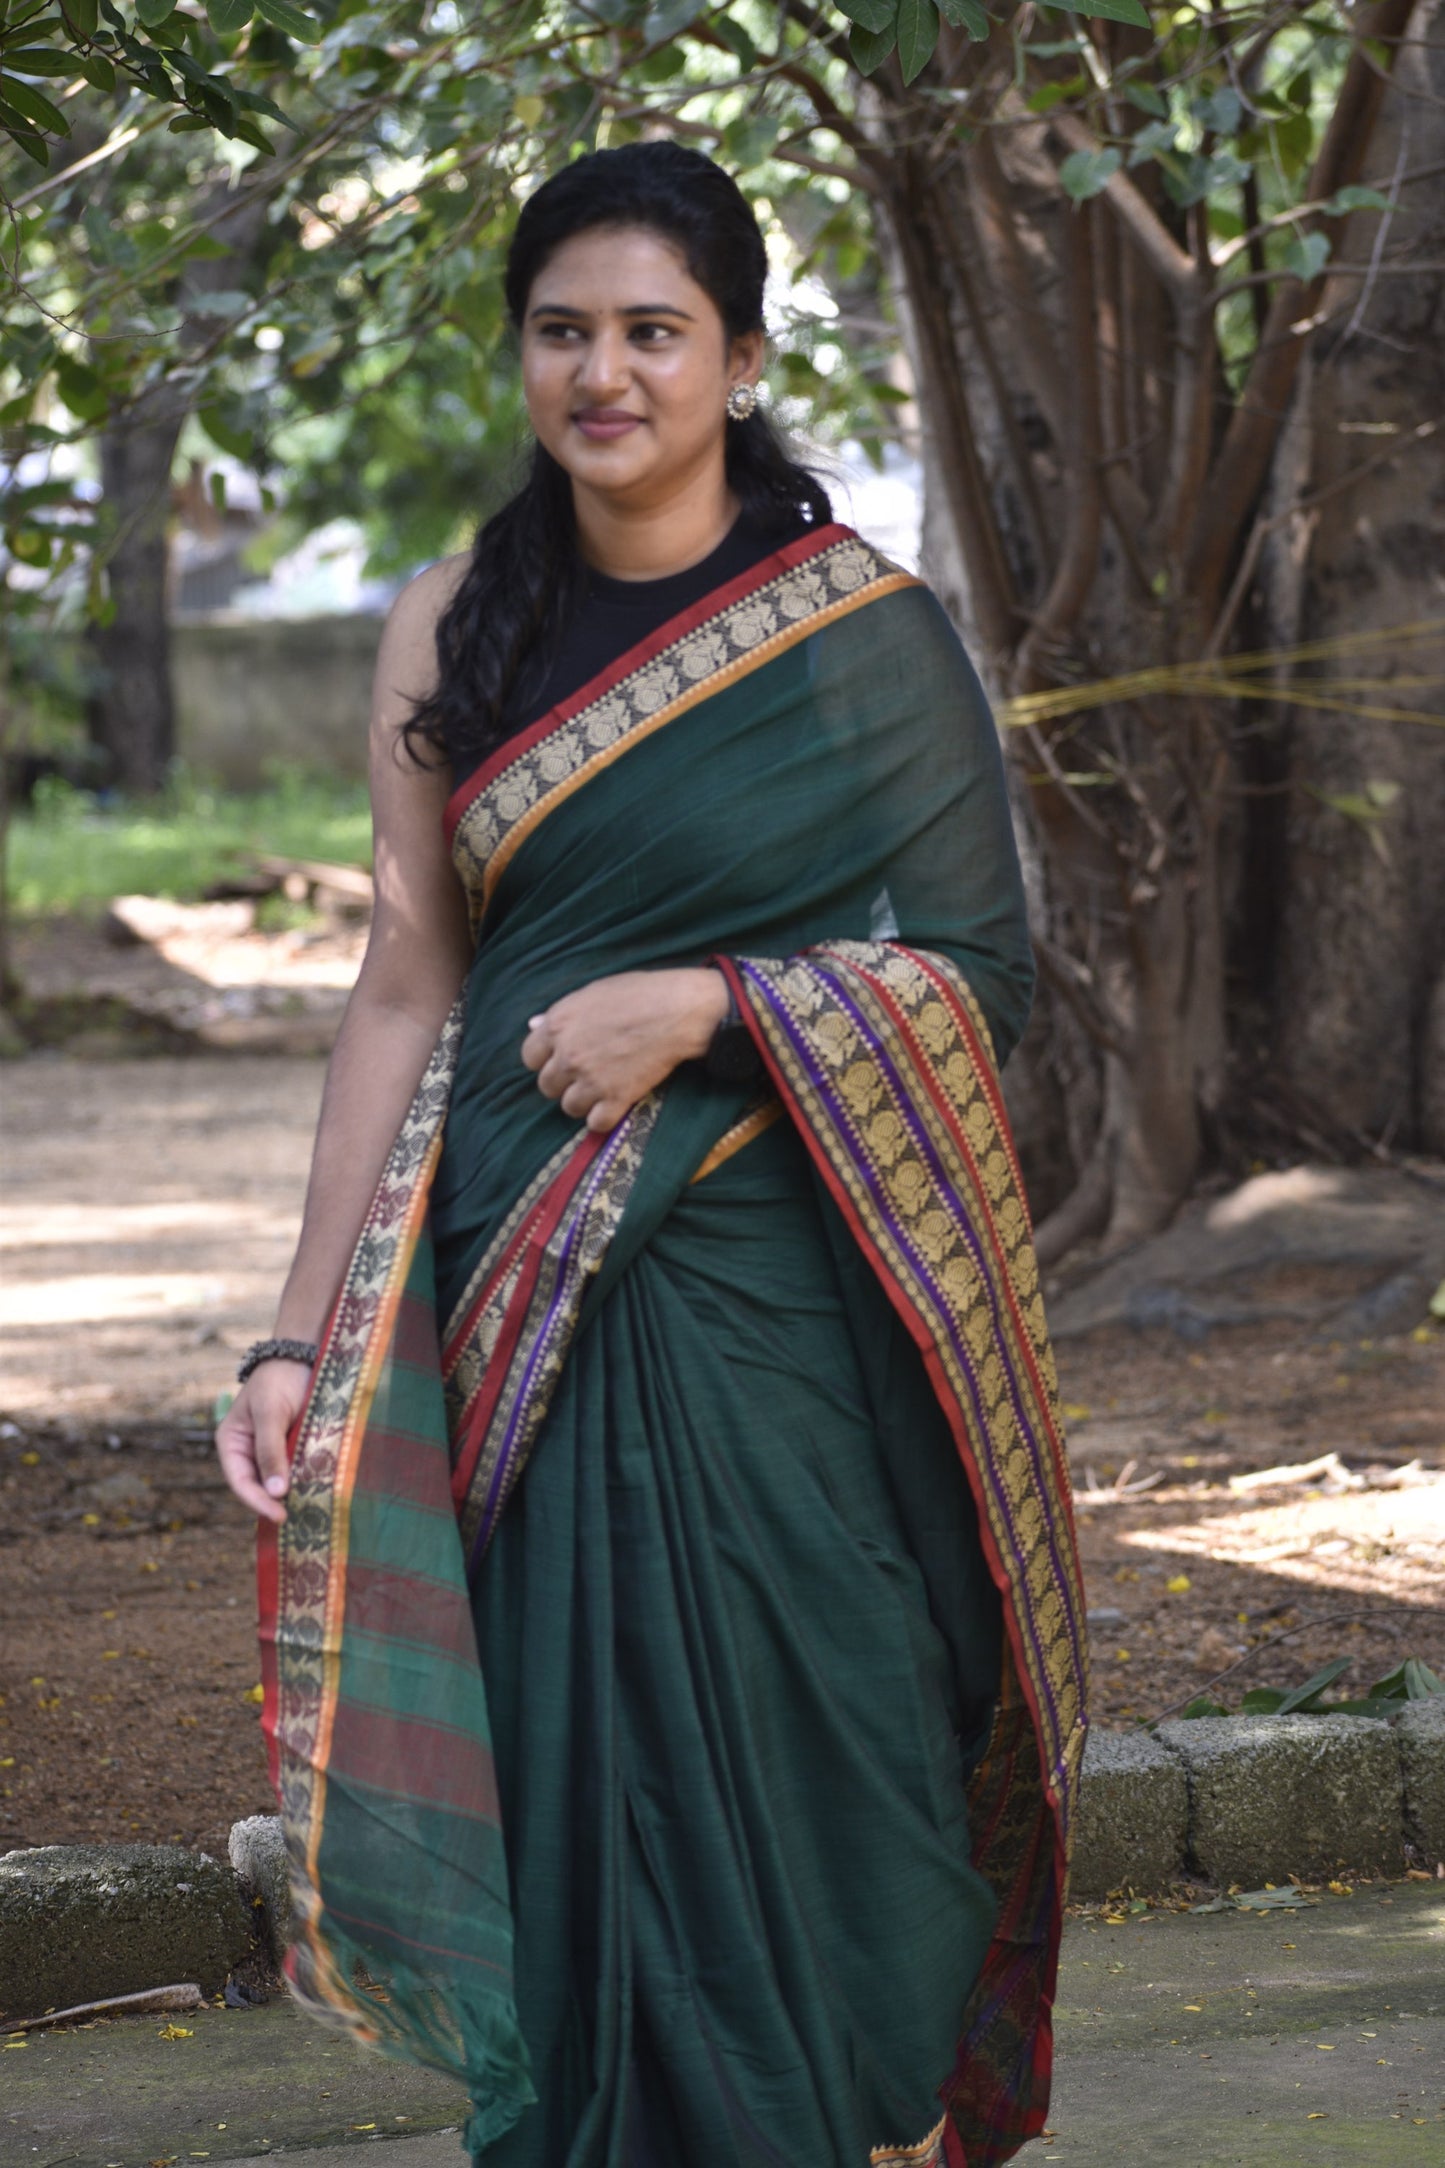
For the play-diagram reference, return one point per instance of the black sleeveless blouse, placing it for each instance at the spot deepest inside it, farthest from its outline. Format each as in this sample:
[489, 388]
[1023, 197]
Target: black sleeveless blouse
[614, 615]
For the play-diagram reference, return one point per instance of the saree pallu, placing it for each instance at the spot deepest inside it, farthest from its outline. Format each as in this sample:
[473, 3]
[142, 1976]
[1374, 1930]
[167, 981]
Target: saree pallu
[712, 1778]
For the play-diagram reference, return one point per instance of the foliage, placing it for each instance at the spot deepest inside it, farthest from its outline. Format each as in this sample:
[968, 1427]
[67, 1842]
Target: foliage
[357, 342]
[1412, 1680]
[72, 851]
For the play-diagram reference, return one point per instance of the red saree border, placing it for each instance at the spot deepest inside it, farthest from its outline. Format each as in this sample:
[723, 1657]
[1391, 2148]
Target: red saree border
[780, 602]
[511, 1334]
[302, 1564]
[882, 1058]
[632, 658]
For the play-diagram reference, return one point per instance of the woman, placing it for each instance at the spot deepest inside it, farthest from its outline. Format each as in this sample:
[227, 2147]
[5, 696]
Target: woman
[699, 1795]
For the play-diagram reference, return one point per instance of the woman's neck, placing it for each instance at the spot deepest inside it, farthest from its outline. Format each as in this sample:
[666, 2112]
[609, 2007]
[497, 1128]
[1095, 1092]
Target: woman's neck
[633, 542]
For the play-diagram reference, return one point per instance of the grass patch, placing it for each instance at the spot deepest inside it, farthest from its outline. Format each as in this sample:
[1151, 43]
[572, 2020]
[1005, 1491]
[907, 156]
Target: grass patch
[72, 851]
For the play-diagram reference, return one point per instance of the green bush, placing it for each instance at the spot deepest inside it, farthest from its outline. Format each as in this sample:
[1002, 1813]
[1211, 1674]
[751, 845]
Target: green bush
[74, 851]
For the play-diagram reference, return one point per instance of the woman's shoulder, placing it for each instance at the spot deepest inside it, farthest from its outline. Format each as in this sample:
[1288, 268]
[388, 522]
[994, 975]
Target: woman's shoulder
[408, 639]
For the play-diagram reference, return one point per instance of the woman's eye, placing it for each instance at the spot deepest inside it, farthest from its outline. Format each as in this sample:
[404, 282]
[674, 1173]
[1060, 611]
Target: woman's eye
[651, 334]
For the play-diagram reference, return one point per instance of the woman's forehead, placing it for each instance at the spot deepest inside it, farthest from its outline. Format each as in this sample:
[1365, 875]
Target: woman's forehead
[611, 268]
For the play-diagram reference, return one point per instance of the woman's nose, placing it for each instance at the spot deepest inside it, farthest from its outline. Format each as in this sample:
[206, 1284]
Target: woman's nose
[604, 363]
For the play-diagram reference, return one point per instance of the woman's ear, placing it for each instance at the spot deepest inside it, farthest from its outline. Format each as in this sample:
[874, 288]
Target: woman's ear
[746, 358]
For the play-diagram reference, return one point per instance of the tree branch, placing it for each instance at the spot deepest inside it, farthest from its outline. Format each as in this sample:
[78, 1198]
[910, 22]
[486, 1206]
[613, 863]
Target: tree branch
[1243, 460]
[1173, 264]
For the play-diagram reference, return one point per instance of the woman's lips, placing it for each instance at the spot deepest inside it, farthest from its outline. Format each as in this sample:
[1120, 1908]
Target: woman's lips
[604, 423]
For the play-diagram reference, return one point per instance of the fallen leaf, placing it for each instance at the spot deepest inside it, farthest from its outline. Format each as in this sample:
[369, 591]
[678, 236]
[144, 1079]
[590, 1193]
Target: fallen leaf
[175, 2032]
[1196, 2007]
[254, 1693]
[1180, 1585]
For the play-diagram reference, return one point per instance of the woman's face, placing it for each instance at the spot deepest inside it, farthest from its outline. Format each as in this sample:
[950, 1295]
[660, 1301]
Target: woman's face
[626, 366]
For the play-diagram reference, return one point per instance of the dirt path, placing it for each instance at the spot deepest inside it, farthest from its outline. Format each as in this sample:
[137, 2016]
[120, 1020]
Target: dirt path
[150, 1210]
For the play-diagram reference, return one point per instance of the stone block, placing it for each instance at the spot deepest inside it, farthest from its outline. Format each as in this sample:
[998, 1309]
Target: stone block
[263, 1869]
[1132, 1820]
[1275, 1796]
[1420, 1736]
[81, 1921]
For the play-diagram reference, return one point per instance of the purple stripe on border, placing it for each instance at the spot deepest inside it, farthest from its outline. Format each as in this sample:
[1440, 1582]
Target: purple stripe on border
[496, 1490]
[926, 1146]
[805, 1053]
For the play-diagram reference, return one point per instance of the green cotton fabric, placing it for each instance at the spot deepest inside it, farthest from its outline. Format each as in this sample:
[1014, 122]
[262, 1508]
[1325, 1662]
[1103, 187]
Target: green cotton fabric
[731, 1730]
[738, 1640]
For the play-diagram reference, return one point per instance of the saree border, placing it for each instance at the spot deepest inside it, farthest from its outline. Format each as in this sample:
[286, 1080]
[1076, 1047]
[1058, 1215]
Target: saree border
[883, 1058]
[302, 1563]
[927, 2153]
[779, 601]
[509, 1337]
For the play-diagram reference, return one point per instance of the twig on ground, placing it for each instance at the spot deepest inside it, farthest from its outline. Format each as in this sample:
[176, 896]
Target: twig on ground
[184, 1995]
[1331, 1618]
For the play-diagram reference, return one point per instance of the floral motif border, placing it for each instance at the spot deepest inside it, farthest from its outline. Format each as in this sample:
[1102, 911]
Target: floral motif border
[526, 1317]
[310, 1547]
[738, 638]
[853, 1031]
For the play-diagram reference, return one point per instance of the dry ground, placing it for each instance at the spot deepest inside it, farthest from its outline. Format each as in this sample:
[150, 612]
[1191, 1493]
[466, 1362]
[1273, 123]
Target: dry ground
[151, 1205]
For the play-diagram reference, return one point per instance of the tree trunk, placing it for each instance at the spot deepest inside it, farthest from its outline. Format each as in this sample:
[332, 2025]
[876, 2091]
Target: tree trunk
[132, 719]
[1363, 929]
[1095, 481]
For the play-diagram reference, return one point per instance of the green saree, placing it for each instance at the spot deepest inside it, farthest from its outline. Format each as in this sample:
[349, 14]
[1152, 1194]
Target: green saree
[673, 1655]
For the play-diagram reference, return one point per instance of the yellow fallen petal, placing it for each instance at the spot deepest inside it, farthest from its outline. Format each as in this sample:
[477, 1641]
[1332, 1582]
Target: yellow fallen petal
[174, 2032]
[254, 1693]
[1196, 2007]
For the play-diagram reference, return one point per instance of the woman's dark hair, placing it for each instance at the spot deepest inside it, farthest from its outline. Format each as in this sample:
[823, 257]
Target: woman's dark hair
[526, 571]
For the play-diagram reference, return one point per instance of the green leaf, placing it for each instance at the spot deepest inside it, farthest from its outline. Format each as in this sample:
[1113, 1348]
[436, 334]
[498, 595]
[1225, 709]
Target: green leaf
[737, 41]
[875, 15]
[154, 12]
[917, 36]
[97, 70]
[1221, 111]
[228, 16]
[1048, 95]
[39, 60]
[83, 16]
[34, 105]
[1302, 1696]
[868, 49]
[1307, 255]
[1114, 11]
[1147, 99]
[668, 18]
[290, 19]
[80, 388]
[1262, 1701]
[966, 15]
[225, 435]
[1355, 198]
[1084, 173]
[1203, 1705]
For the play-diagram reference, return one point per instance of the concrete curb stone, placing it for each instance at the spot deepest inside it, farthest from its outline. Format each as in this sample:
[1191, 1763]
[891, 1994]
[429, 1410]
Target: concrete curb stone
[1275, 1796]
[1421, 1737]
[263, 1870]
[1133, 1819]
[81, 1921]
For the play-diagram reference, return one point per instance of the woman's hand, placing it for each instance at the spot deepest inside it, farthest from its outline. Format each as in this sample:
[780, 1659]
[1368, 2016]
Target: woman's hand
[600, 1050]
[251, 1439]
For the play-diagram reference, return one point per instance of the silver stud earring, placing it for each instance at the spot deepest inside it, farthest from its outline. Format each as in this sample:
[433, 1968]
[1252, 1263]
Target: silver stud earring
[742, 401]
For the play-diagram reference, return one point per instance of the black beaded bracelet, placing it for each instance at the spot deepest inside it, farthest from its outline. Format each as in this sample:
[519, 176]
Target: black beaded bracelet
[272, 1351]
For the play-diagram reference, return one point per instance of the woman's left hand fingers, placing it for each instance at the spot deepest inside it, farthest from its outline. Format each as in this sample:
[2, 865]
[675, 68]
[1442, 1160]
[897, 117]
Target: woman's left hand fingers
[539, 1046]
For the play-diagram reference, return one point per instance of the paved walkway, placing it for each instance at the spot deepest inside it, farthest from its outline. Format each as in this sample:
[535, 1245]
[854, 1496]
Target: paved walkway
[1306, 2039]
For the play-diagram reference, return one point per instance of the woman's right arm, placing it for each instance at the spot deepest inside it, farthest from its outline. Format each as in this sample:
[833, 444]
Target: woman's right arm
[416, 959]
